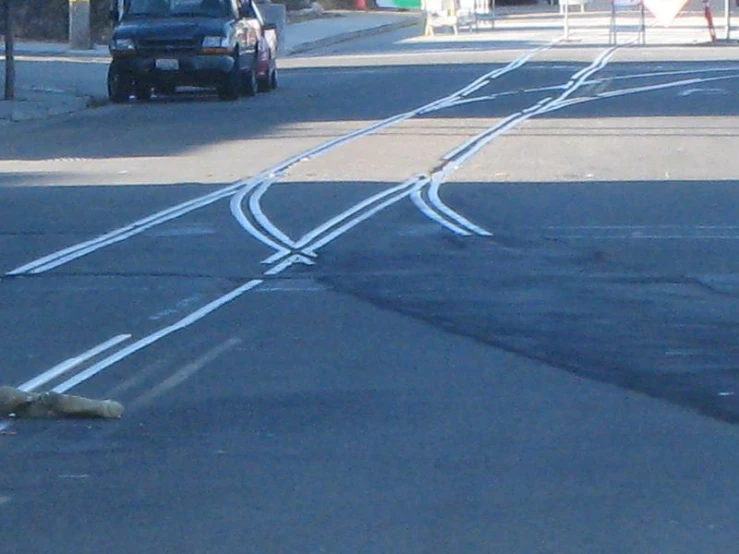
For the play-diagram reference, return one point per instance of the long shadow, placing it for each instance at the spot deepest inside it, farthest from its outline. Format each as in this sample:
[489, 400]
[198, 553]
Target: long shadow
[309, 99]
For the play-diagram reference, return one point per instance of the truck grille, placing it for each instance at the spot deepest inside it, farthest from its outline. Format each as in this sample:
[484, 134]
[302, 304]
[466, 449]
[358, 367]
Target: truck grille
[151, 47]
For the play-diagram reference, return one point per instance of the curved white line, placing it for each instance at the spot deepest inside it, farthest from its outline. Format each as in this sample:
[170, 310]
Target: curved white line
[240, 216]
[255, 208]
[81, 249]
[459, 155]
[419, 200]
[437, 202]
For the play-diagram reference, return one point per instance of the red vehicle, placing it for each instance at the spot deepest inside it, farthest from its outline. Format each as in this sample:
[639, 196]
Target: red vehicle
[159, 45]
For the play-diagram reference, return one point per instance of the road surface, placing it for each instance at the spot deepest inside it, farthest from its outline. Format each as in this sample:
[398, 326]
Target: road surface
[429, 296]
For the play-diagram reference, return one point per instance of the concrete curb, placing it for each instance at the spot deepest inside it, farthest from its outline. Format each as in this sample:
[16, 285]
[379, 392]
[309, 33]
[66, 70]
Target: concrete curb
[345, 37]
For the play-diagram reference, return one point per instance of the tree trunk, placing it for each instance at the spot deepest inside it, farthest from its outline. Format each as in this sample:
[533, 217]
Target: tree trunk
[9, 51]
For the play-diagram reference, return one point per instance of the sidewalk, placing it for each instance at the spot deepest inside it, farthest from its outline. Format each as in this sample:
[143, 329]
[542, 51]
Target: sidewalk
[52, 80]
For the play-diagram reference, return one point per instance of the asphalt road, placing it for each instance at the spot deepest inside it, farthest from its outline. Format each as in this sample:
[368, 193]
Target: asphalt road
[427, 297]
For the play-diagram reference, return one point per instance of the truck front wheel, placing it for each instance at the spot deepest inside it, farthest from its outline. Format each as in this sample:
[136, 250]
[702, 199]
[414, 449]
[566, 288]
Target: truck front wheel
[120, 85]
[231, 86]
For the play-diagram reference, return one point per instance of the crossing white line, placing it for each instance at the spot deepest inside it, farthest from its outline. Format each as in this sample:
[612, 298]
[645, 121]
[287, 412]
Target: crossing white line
[76, 251]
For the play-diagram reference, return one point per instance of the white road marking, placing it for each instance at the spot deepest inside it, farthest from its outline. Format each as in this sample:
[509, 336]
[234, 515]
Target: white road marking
[432, 203]
[422, 202]
[458, 218]
[709, 91]
[274, 236]
[182, 375]
[349, 219]
[644, 232]
[67, 365]
[635, 90]
[460, 154]
[156, 336]
[309, 242]
[332, 229]
[404, 190]
[255, 208]
[290, 260]
[247, 225]
[79, 250]
[343, 222]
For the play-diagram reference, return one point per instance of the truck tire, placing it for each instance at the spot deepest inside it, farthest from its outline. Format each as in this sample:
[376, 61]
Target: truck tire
[120, 86]
[231, 86]
[251, 86]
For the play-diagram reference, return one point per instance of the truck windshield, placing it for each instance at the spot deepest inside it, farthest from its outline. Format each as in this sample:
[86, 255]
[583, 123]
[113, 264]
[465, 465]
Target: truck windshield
[174, 8]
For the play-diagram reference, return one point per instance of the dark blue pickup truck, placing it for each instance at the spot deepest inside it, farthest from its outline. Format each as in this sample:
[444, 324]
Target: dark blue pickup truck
[159, 45]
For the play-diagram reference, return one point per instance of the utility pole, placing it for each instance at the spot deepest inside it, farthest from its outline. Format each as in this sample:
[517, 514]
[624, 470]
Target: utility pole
[9, 51]
[79, 24]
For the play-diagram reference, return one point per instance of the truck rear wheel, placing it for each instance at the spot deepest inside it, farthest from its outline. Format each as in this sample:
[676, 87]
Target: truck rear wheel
[266, 83]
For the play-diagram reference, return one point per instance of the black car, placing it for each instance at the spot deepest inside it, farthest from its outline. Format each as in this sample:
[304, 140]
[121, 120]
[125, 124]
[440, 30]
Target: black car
[159, 45]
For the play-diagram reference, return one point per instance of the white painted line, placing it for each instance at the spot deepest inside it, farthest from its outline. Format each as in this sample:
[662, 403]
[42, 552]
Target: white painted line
[84, 248]
[662, 74]
[309, 240]
[67, 365]
[579, 78]
[634, 90]
[246, 224]
[182, 375]
[458, 218]
[404, 191]
[255, 207]
[459, 155]
[156, 336]
[464, 151]
[78, 250]
[483, 81]
[277, 235]
[291, 260]
[649, 88]
[423, 204]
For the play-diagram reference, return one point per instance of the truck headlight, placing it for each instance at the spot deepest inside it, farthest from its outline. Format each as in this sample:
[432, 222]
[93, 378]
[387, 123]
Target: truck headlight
[122, 45]
[217, 45]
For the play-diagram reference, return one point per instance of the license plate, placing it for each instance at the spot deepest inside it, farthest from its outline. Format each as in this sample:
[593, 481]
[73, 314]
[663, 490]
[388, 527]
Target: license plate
[166, 64]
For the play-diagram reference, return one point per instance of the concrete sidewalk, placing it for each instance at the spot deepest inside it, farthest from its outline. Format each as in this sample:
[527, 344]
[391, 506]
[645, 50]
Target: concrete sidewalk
[53, 79]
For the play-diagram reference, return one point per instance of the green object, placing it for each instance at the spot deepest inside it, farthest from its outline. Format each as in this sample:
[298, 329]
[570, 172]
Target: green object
[400, 4]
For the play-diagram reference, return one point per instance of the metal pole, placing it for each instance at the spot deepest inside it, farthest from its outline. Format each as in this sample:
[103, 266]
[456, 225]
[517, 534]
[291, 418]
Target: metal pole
[9, 51]
[727, 11]
[567, 18]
